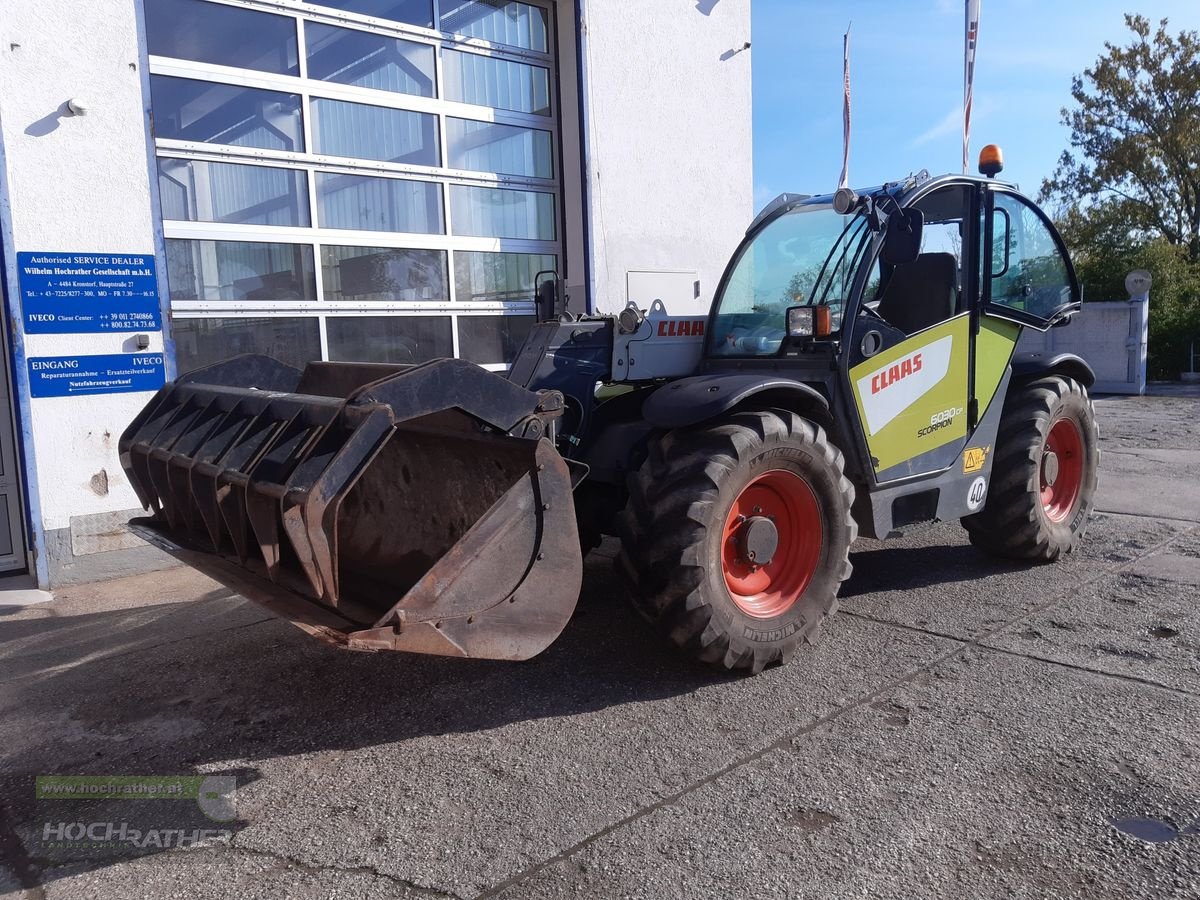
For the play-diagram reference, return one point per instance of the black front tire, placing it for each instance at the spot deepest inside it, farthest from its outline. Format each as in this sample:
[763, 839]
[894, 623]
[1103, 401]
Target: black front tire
[673, 531]
[1017, 522]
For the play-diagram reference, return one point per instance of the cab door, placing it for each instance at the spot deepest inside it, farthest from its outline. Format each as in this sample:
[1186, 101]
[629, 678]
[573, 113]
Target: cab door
[1027, 282]
[912, 347]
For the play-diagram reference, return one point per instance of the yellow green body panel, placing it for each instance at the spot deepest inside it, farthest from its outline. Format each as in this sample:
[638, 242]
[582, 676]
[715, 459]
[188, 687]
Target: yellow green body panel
[912, 398]
[993, 350]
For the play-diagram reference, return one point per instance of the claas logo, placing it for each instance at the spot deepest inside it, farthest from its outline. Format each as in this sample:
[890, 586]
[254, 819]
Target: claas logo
[898, 372]
[675, 328]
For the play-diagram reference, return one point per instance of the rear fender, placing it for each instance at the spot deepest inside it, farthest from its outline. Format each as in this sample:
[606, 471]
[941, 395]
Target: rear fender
[1030, 365]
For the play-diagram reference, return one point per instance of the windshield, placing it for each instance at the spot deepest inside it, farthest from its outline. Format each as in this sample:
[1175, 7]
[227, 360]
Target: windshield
[806, 257]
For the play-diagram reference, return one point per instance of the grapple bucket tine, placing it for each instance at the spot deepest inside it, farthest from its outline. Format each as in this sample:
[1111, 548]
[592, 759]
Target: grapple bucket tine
[266, 485]
[204, 468]
[182, 458]
[232, 504]
[158, 458]
[230, 482]
[310, 506]
[140, 438]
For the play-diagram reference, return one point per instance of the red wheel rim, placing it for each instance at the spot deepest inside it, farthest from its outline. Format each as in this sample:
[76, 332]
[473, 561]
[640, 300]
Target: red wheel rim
[788, 502]
[1061, 469]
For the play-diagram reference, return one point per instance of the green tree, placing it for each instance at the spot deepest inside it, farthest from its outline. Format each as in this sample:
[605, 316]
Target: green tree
[1127, 193]
[1134, 162]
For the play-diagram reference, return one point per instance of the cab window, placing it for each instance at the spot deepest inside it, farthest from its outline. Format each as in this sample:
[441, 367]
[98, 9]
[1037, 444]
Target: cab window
[1029, 273]
[927, 291]
[806, 257]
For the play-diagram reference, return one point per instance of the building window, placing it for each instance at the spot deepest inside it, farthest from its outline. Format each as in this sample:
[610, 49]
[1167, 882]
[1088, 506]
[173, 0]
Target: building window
[369, 180]
[222, 35]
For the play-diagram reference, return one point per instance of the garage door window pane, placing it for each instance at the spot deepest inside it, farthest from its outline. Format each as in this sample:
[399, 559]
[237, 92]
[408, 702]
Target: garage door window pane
[498, 21]
[245, 271]
[395, 339]
[492, 339]
[199, 342]
[360, 202]
[495, 212]
[198, 191]
[366, 274]
[368, 60]
[498, 276]
[498, 83]
[503, 149]
[222, 35]
[414, 12]
[374, 132]
[188, 110]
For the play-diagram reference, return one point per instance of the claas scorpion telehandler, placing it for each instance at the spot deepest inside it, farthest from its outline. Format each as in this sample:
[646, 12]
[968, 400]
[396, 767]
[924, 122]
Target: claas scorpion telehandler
[858, 373]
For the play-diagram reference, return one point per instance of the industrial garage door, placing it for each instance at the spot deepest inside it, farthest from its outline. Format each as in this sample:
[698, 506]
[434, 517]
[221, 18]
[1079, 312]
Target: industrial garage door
[372, 180]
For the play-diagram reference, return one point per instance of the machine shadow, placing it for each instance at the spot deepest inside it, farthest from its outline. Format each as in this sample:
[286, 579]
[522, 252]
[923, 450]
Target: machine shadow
[885, 567]
[189, 688]
[242, 685]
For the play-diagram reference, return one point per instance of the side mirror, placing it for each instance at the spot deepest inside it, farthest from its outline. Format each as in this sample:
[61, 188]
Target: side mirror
[902, 243]
[549, 296]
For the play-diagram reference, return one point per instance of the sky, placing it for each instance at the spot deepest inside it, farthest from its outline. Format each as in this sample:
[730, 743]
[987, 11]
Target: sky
[906, 76]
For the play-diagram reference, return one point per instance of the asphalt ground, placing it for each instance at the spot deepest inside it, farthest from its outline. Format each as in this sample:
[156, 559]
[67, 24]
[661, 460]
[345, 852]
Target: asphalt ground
[963, 728]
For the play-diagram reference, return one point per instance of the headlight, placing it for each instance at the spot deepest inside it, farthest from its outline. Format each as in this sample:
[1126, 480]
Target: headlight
[809, 321]
[800, 321]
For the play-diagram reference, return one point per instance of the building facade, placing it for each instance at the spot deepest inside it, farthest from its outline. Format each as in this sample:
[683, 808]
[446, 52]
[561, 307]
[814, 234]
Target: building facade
[376, 180]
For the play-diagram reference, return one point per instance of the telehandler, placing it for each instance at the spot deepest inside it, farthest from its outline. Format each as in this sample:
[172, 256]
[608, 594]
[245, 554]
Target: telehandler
[858, 373]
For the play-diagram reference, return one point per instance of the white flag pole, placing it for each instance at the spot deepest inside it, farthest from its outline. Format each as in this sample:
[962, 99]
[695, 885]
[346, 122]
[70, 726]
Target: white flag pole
[972, 41]
[845, 179]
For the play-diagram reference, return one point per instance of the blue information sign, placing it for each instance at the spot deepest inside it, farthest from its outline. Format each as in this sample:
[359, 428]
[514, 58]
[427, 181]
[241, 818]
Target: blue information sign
[117, 373]
[88, 292]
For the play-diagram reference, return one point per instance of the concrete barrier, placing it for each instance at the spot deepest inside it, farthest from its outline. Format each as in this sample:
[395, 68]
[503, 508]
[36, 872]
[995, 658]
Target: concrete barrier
[1111, 336]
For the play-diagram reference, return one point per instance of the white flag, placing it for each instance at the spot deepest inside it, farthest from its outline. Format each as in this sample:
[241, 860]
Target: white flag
[972, 41]
[845, 179]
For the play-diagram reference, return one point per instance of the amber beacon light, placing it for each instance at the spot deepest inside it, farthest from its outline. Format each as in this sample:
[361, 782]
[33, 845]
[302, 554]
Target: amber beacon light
[991, 161]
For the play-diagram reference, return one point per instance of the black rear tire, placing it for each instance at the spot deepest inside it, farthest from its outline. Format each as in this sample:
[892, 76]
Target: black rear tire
[674, 540]
[1024, 518]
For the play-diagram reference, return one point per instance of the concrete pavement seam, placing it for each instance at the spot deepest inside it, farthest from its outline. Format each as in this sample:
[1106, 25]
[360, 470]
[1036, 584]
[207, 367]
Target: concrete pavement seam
[1129, 515]
[779, 744]
[788, 737]
[972, 642]
[1113, 569]
[362, 870]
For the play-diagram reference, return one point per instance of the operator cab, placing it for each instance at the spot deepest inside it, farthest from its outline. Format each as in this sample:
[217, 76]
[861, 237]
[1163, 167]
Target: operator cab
[878, 267]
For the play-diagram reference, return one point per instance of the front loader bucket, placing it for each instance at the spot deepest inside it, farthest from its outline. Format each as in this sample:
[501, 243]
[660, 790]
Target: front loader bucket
[379, 507]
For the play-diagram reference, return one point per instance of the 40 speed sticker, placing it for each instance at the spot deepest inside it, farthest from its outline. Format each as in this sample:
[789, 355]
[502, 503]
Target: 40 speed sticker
[977, 494]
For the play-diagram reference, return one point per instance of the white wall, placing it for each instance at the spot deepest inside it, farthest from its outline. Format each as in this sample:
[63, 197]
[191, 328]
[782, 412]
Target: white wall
[668, 136]
[79, 184]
